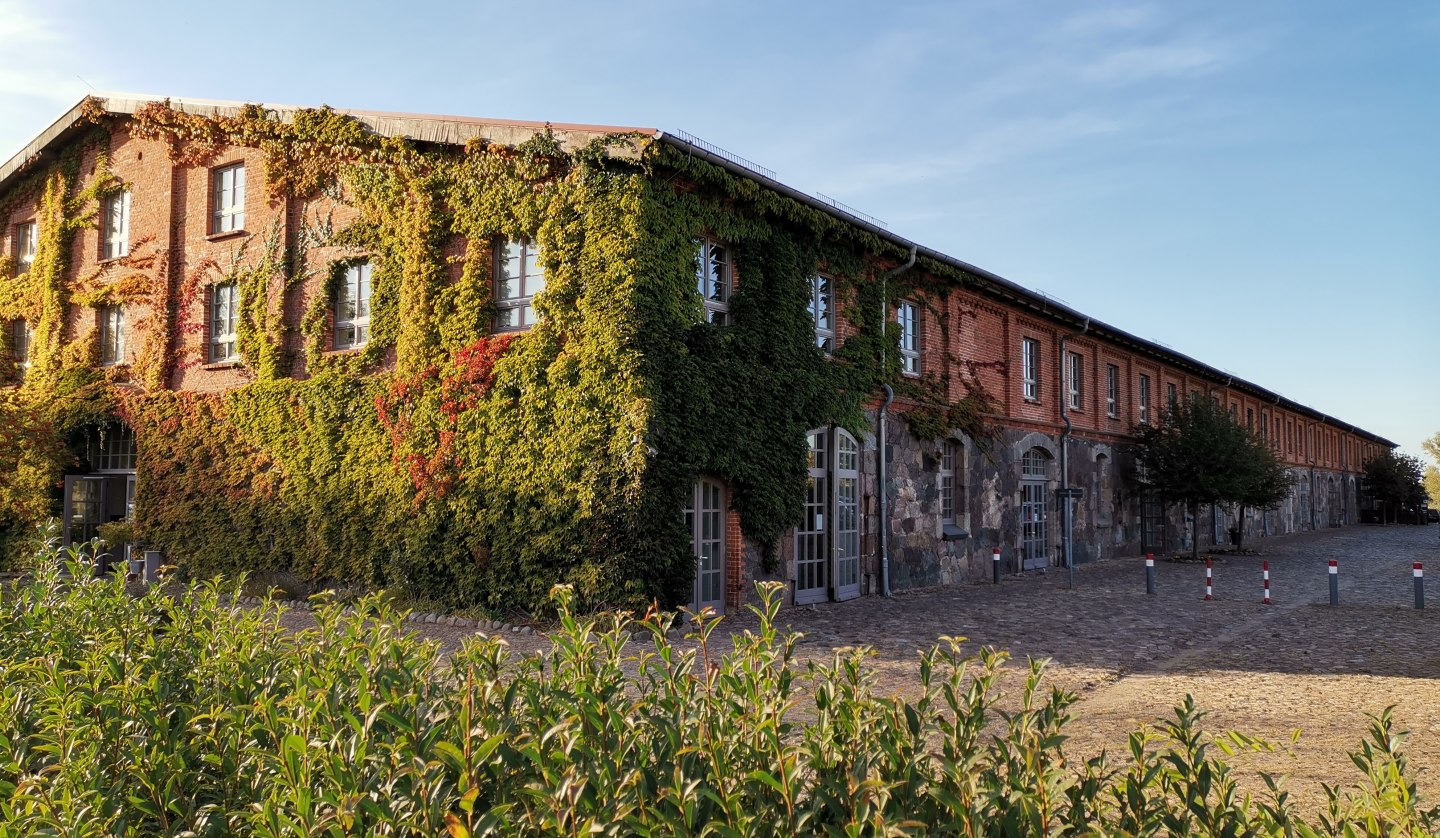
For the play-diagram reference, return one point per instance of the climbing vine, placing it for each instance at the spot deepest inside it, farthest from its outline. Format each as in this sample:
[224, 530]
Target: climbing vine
[468, 466]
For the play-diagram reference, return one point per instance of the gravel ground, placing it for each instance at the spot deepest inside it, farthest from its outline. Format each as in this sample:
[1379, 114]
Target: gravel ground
[1265, 670]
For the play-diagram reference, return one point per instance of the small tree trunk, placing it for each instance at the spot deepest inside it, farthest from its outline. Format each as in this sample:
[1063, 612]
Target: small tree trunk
[1195, 531]
[1240, 529]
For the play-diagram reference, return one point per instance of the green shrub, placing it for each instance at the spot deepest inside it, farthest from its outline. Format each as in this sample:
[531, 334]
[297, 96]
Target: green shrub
[168, 714]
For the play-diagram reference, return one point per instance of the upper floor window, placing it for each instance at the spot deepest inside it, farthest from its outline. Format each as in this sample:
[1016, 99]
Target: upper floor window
[352, 307]
[27, 238]
[908, 316]
[1112, 390]
[112, 335]
[1171, 397]
[1145, 398]
[117, 225]
[1030, 368]
[1250, 418]
[21, 333]
[224, 311]
[1075, 387]
[519, 276]
[229, 191]
[713, 280]
[821, 310]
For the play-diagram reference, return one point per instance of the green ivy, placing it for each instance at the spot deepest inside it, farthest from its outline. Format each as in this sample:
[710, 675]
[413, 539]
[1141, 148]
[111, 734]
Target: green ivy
[482, 469]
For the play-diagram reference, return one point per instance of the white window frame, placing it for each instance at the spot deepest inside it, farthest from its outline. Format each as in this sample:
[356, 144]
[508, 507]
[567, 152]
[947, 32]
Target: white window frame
[907, 317]
[1144, 399]
[1075, 380]
[951, 453]
[357, 286]
[223, 345]
[516, 312]
[1112, 390]
[112, 335]
[117, 225]
[1030, 369]
[227, 199]
[27, 242]
[822, 311]
[714, 279]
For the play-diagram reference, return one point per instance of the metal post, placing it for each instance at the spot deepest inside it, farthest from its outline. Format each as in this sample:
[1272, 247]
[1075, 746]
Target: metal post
[1209, 581]
[152, 567]
[1265, 569]
[1419, 571]
[995, 565]
[1150, 574]
[1334, 582]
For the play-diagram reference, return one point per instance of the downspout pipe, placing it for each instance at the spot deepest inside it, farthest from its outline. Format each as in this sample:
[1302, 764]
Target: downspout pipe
[881, 434]
[1068, 504]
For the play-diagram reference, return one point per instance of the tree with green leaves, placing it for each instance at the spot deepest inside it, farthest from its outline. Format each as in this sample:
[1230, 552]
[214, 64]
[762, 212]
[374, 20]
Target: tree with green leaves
[1395, 480]
[1198, 454]
[1432, 474]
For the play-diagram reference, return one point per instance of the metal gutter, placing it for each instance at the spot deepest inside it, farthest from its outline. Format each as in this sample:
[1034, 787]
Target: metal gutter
[1003, 288]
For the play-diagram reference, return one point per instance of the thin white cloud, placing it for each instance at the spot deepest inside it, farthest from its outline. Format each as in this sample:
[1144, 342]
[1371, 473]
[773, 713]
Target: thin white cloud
[30, 63]
[1139, 64]
[1106, 20]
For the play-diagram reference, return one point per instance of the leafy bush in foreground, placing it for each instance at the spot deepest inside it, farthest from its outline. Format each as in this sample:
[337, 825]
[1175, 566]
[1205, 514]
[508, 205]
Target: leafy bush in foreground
[168, 716]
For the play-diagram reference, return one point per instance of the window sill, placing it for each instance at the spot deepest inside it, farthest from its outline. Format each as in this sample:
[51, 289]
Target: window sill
[108, 260]
[215, 237]
[348, 350]
[222, 365]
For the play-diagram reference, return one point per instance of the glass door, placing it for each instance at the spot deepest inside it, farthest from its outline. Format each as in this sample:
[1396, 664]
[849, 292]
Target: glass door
[812, 537]
[847, 516]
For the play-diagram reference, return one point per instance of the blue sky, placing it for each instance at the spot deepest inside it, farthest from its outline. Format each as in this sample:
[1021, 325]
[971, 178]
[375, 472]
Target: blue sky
[1254, 184]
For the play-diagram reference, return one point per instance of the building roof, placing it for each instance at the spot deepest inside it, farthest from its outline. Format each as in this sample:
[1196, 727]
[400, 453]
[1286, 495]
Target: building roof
[458, 130]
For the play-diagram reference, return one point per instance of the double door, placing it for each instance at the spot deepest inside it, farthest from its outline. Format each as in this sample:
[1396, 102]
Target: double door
[92, 500]
[827, 541]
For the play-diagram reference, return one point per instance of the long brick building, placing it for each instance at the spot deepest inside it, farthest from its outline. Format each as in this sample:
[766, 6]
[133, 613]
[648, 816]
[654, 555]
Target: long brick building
[210, 250]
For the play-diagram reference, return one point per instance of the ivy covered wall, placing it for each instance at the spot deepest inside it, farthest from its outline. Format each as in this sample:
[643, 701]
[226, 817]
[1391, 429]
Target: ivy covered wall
[465, 466]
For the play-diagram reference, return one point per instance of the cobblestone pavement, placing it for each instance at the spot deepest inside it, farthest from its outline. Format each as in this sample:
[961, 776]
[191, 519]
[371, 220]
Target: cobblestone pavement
[1266, 670]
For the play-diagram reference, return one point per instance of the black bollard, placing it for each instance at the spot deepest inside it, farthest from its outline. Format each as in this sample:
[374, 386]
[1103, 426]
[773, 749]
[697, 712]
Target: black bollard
[1334, 582]
[1150, 574]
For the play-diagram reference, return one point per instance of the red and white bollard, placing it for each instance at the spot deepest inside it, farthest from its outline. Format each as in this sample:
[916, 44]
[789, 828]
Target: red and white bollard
[1334, 582]
[1209, 581]
[1419, 570]
[1265, 569]
[1150, 574]
[995, 565]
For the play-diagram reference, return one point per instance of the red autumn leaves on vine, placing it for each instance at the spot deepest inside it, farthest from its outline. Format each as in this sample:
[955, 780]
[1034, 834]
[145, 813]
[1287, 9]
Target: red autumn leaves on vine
[421, 413]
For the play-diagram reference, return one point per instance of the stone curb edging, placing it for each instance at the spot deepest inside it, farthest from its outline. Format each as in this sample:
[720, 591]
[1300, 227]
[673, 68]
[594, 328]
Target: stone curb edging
[435, 618]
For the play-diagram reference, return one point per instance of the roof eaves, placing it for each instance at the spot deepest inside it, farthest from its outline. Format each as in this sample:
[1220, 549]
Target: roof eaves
[1002, 287]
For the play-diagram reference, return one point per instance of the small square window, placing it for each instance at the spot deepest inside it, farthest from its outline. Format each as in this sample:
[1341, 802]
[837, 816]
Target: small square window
[519, 276]
[224, 313]
[352, 308]
[116, 241]
[27, 240]
[822, 312]
[228, 188]
[908, 318]
[112, 335]
[713, 280]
